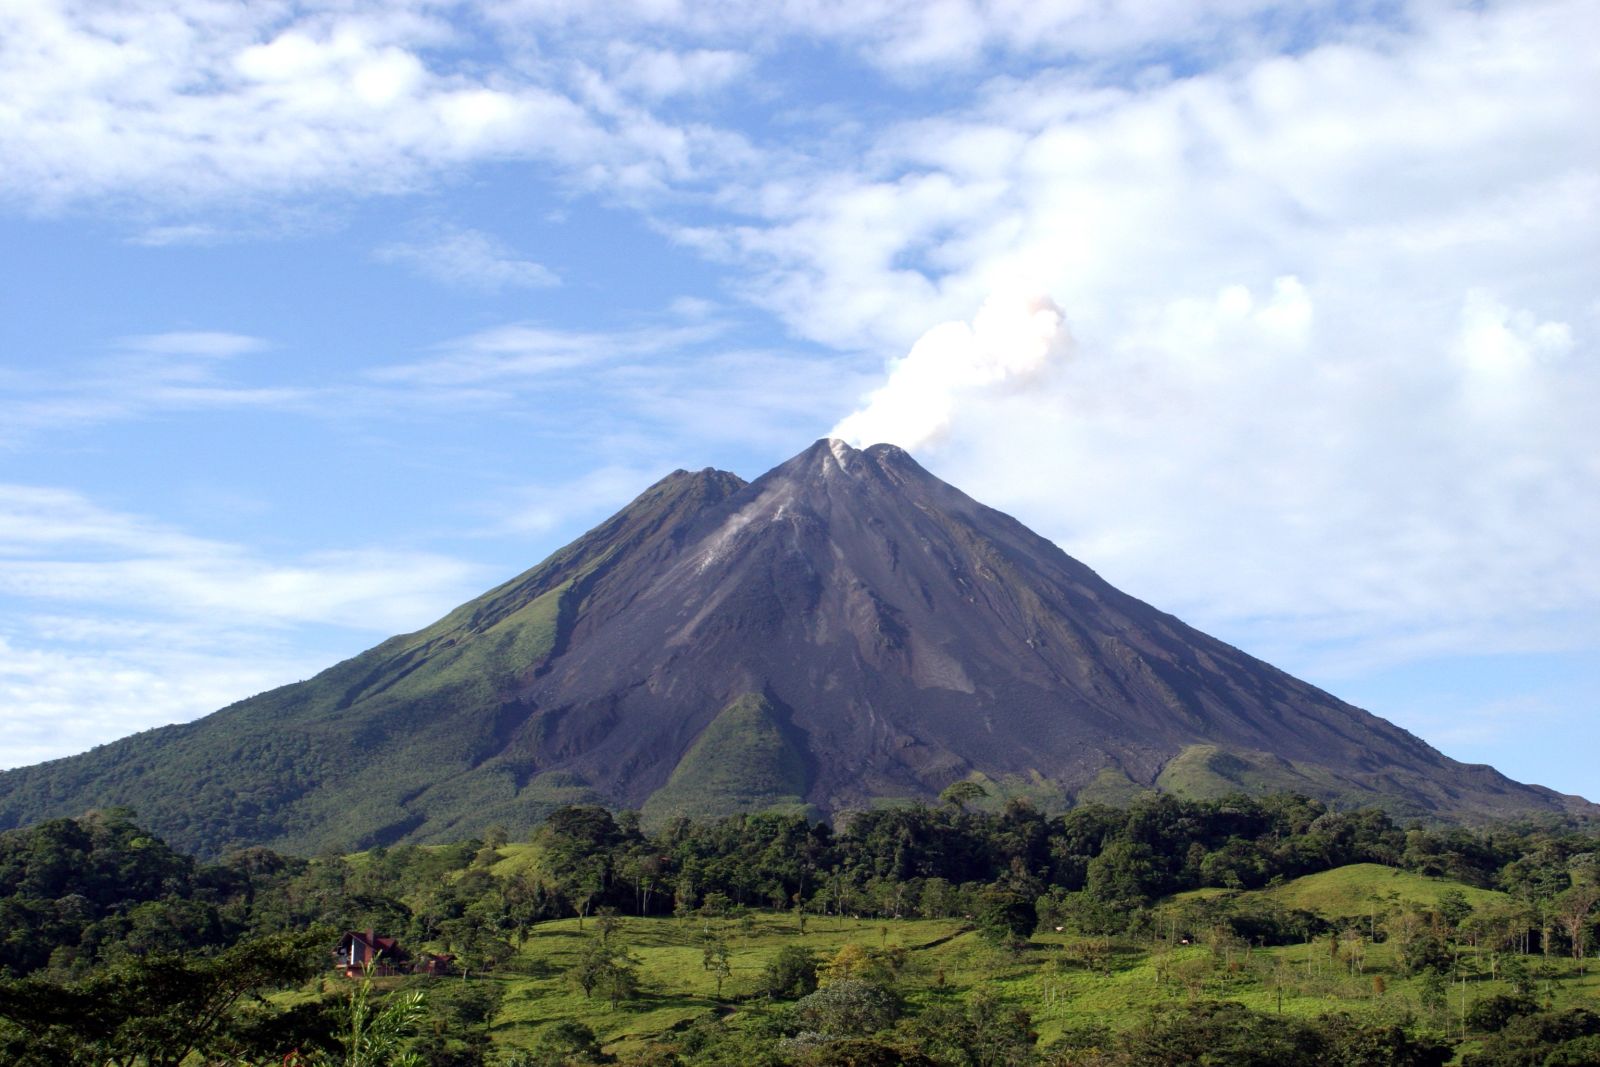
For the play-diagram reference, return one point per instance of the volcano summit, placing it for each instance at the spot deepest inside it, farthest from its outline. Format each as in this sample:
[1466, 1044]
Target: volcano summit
[846, 629]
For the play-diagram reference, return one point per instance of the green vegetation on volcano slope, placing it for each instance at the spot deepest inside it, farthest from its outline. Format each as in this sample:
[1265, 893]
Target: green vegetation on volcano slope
[414, 740]
[588, 677]
[365, 740]
[743, 761]
[1211, 771]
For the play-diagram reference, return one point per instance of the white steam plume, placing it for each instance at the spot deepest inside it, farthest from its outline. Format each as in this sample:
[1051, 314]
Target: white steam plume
[1011, 343]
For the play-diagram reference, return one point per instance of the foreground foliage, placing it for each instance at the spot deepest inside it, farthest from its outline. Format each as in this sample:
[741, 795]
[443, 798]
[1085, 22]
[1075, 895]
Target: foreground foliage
[161, 1008]
[1240, 931]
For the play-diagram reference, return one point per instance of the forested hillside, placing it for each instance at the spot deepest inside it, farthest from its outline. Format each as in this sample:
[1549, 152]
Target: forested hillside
[1260, 930]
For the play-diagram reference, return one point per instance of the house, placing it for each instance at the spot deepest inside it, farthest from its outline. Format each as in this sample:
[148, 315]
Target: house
[361, 952]
[434, 966]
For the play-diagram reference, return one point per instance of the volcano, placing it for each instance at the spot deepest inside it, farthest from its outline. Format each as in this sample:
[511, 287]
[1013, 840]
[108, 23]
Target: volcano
[847, 630]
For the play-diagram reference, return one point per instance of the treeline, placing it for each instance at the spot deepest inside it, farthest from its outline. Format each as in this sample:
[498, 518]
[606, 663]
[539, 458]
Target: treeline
[1095, 869]
[78, 893]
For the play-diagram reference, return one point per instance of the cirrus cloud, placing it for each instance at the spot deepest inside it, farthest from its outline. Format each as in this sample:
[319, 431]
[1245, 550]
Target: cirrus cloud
[468, 259]
[118, 623]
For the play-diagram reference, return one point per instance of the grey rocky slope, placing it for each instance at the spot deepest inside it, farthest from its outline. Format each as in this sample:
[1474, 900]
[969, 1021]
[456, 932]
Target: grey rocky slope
[846, 630]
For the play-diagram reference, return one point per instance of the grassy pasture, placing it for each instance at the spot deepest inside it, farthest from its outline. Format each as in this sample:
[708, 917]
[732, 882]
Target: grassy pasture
[1350, 892]
[1055, 977]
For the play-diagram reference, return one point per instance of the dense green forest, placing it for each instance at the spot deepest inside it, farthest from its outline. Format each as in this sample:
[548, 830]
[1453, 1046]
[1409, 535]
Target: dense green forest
[1235, 931]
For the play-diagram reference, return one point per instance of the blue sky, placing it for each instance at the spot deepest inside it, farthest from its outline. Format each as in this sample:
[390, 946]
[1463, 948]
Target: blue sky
[319, 318]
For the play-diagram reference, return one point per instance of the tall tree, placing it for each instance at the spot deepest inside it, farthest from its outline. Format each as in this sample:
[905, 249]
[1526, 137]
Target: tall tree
[156, 1010]
[1572, 910]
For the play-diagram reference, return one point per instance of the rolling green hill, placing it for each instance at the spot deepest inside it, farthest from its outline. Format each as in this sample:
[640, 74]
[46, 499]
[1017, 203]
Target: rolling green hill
[1357, 890]
[1348, 892]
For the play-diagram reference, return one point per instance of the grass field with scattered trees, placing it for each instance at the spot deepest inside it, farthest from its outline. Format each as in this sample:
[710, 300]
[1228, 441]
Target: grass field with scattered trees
[1235, 931]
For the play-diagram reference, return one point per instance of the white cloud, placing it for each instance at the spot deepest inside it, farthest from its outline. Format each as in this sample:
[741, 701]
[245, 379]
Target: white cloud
[1012, 342]
[912, 38]
[523, 352]
[1347, 156]
[181, 105]
[195, 103]
[1335, 356]
[1337, 509]
[468, 259]
[657, 73]
[1329, 281]
[115, 623]
[145, 373]
[1507, 356]
[610, 396]
[210, 344]
[36, 518]
[189, 233]
[57, 546]
[66, 693]
[371, 590]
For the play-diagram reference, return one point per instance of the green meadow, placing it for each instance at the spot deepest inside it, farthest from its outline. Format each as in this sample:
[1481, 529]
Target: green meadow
[1062, 980]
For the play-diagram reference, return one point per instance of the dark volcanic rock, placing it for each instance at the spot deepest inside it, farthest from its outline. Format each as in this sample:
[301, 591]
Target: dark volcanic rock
[845, 628]
[914, 636]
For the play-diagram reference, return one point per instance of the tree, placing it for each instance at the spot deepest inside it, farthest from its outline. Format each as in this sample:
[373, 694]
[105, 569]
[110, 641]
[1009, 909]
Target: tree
[156, 1010]
[850, 962]
[848, 1007]
[644, 868]
[1124, 876]
[715, 960]
[982, 1032]
[578, 842]
[790, 973]
[1572, 910]
[959, 794]
[608, 922]
[469, 1007]
[527, 900]
[585, 972]
[866, 1052]
[1491, 1014]
[581, 883]
[605, 969]
[1350, 1043]
[1564, 1038]
[1212, 1032]
[619, 980]
[1454, 908]
[561, 1045]
[474, 945]
[1007, 914]
[1433, 991]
